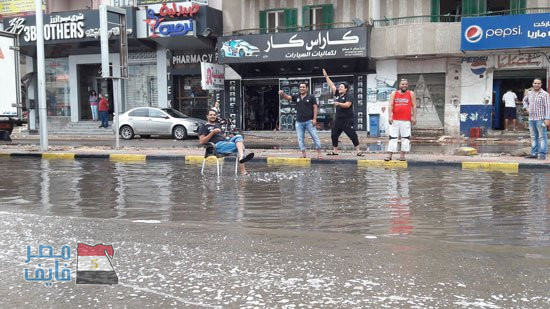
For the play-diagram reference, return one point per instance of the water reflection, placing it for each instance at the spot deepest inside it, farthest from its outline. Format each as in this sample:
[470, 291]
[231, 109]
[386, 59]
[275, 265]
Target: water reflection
[449, 204]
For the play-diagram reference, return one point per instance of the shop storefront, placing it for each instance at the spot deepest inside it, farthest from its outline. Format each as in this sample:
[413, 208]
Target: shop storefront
[185, 34]
[502, 53]
[268, 63]
[73, 69]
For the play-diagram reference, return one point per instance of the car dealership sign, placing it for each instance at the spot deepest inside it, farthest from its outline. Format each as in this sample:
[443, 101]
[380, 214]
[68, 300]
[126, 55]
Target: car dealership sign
[306, 45]
[501, 32]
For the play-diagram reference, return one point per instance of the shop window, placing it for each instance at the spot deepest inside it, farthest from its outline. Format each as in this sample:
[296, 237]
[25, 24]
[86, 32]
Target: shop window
[57, 87]
[190, 98]
[316, 17]
[278, 20]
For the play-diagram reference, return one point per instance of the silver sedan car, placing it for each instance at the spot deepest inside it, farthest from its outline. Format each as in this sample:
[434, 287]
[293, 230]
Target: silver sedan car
[147, 121]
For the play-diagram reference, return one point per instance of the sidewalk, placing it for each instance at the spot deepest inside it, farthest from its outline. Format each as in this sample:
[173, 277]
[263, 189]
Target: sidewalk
[194, 155]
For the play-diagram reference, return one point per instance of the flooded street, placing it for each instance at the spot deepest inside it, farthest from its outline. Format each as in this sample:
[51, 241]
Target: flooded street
[329, 235]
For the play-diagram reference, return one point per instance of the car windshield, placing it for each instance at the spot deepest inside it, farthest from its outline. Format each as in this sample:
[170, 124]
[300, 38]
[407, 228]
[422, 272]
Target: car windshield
[174, 113]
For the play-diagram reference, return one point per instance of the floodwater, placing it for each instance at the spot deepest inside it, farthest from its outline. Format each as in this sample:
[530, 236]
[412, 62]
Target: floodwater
[501, 219]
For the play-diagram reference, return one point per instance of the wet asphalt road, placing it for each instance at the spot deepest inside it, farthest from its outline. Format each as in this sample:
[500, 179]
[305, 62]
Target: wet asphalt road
[187, 264]
[329, 236]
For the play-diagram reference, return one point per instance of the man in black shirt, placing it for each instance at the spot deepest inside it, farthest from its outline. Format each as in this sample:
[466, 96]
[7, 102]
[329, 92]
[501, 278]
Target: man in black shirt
[211, 132]
[306, 118]
[343, 121]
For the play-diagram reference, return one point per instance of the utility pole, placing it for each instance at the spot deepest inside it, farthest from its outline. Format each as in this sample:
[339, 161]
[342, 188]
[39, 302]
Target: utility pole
[41, 70]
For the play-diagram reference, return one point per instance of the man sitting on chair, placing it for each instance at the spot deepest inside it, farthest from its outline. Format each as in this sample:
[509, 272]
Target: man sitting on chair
[211, 132]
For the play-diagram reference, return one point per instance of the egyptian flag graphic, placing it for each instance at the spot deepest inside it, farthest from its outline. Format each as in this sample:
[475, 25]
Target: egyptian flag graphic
[94, 265]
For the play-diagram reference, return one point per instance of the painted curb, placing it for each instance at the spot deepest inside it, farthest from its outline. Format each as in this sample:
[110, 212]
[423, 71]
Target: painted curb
[127, 157]
[58, 156]
[382, 163]
[274, 161]
[164, 158]
[492, 166]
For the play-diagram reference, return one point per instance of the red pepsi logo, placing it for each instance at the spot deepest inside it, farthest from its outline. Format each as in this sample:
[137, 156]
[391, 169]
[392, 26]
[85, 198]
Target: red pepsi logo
[473, 34]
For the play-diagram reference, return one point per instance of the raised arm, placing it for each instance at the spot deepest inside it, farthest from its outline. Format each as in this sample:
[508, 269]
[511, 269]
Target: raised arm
[285, 96]
[329, 82]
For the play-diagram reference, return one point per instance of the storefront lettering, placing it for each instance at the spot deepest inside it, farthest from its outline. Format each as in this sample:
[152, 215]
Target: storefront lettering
[62, 28]
[160, 26]
[542, 24]
[537, 34]
[212, 75]
[474, 59]
[319, 54]
[196, 58]
[510, 61]
[322, 41]
[179, 11]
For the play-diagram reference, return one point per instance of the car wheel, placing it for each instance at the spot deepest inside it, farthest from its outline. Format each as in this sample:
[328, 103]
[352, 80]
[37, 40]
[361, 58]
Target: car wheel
[145, 136]
[126, 132]
[241, 53]
[179, 133]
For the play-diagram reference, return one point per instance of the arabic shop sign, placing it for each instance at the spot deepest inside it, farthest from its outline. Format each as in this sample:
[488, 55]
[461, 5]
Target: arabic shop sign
[174, 19]
[212, 76]
[58, 28]
[307, 45]
[512, 31]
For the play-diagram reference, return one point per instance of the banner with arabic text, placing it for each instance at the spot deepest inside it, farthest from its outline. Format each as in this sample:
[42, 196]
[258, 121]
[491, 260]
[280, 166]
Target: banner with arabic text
[287, 46]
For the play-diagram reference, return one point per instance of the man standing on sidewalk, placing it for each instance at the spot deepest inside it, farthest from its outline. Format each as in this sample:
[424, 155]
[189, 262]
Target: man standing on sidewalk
[401, 114]
[537, 102]
[306, 119]
[510, 99]
[103, 111]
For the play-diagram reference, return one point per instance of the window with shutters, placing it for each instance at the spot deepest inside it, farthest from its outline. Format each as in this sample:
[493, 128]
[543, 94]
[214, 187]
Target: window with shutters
[452, 10]
[316, 17]
[275, 20]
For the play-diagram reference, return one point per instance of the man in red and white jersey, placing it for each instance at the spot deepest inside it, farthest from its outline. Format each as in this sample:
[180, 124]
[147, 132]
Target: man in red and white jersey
[402, 113]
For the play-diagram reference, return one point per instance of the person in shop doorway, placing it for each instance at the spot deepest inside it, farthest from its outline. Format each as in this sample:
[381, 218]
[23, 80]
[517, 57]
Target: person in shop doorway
[510, 99]
[103, 111]
[211, 132]
[216, 107]
[537, 103]
[401, 116]
[343, 121]
[93, 105]
[306, 118]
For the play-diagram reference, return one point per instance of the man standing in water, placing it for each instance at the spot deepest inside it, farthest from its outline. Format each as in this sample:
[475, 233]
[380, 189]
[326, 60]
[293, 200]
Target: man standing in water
[306, 118]
[401, 114]
[343, 121]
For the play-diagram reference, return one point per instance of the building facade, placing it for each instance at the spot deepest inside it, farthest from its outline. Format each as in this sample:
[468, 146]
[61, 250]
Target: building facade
[73, 56]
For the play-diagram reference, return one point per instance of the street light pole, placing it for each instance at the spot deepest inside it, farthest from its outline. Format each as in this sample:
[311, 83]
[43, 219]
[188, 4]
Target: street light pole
[40, 64]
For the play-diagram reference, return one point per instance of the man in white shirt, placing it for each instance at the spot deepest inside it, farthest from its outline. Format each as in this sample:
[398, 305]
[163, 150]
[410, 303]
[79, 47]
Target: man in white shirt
[510, 99]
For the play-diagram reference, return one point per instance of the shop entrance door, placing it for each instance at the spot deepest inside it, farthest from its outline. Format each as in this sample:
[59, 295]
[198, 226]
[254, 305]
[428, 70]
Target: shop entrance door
[260, 104]
[89, 78]
[518, 82]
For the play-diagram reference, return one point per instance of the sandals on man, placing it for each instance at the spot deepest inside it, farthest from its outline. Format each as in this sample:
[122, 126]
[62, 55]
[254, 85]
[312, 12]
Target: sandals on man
[360, 154]
[387, 159]
[332, 153]
[246, 158]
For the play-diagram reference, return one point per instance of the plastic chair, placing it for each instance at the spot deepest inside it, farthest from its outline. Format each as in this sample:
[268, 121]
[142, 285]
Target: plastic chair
[210, 150]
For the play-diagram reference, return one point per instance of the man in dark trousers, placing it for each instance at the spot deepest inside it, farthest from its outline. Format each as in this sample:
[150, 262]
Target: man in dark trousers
[103, 111]
[212, 132]
[343, 121]
[306, 118]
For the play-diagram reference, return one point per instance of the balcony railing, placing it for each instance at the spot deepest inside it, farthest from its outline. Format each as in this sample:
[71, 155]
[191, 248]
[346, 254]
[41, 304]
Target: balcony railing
[296, 28]
[448, 18]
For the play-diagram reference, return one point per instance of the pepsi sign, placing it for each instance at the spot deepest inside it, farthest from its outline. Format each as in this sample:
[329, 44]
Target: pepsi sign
[501, 32]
